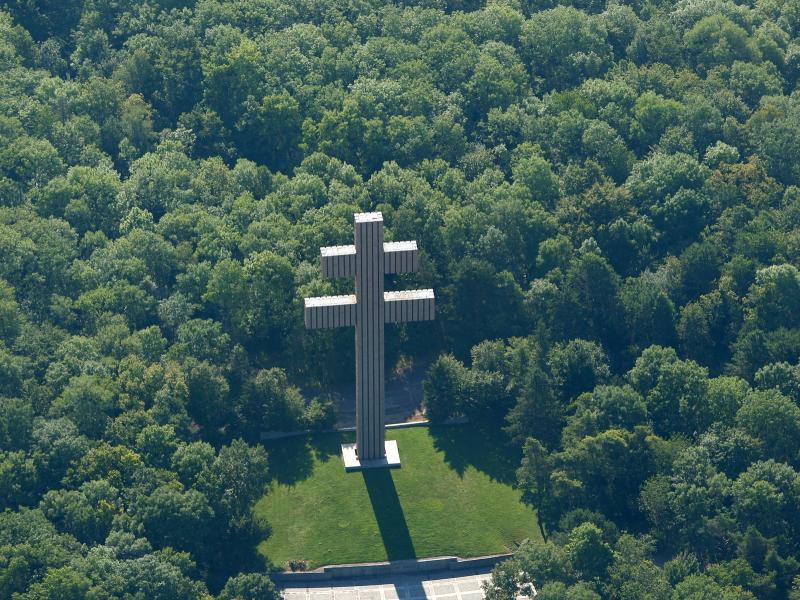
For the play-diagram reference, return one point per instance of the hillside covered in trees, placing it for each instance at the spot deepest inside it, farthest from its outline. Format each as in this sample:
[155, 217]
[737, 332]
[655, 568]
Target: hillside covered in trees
[606, 199]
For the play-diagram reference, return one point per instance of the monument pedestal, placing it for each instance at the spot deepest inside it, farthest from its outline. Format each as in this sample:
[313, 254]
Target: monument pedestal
[390, 460]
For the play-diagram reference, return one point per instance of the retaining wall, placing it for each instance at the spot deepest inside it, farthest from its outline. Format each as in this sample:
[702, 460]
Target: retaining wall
[279, 435]
[397, 567]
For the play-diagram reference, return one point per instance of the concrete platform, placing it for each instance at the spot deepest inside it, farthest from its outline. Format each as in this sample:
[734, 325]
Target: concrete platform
[390, 460]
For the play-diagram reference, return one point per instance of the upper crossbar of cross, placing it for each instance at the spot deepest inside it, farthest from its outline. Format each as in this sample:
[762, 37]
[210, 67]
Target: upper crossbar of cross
[395, 258]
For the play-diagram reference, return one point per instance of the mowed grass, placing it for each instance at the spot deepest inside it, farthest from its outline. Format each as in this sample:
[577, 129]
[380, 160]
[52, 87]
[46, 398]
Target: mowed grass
[452, 495]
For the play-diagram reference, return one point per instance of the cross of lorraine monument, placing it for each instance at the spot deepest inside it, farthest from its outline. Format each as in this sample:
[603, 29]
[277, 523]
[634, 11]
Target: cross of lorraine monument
[369, 309]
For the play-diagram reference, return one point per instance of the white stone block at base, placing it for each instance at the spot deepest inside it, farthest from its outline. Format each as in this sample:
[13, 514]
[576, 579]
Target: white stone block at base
[351, 462]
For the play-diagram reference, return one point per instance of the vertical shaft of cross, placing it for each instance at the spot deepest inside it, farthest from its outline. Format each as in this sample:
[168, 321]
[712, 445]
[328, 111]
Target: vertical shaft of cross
[369, 309]
[370, 374]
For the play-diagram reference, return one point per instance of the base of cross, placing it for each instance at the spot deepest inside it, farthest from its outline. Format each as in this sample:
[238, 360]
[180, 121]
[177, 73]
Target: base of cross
[390, 460]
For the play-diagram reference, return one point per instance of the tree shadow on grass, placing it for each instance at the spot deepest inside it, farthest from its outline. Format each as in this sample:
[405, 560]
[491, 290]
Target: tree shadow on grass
[466, 446]
[389, 514]
[328, 445]
[291, 460]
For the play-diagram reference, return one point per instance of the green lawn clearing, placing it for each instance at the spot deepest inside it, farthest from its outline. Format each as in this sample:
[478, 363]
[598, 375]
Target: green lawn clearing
[451, 496]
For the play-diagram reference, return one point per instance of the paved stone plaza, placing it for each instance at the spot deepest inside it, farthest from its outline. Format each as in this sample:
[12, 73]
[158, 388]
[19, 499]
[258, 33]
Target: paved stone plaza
[425, 586]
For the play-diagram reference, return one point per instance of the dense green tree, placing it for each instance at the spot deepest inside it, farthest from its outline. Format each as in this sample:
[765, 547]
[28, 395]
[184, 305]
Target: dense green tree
[56, 446]
[498, 79]
[190, 460]
[202, 339]
[633, 574]
[278, 119]
[64, 582]
[9, 313]
[564, 45]
[446, 383]
[236, 479]
[559, 591]
[605, 199]
[249, 586]
[767, 129]
[172, 517]
[781, 376]
[591, 299]
[159, 575]
[606, 407]
[588, 552]
[86, 513]
[653, 115]
[87, 400]
[535, 174]
[697, 587]
[117, 464]
[650, 313]
[16, 424]
[84, 197]
[208, 402]
[538, 411]
[577, 366]
[483, 312]
[534, 563]
[725, 396]
[29, 163]
[157, 444]
[774, 297]
[269, 403]
[707, 327]
[18, 478]
[716, 40]
[774, 419]
[679, 399]
[661, 175]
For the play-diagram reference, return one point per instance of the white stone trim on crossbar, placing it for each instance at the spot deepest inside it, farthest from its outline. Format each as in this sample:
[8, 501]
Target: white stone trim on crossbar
[338, 261]
[326, 312]
[400, 257]
[408, 305]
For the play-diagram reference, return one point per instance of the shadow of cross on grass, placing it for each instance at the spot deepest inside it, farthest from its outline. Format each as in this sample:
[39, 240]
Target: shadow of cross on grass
[389, 514]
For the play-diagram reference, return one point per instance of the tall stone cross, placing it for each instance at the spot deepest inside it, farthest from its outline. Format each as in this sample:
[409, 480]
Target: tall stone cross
[368, 310]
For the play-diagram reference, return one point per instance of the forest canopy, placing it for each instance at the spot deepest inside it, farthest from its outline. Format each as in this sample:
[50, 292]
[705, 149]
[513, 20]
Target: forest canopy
[606, 195]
